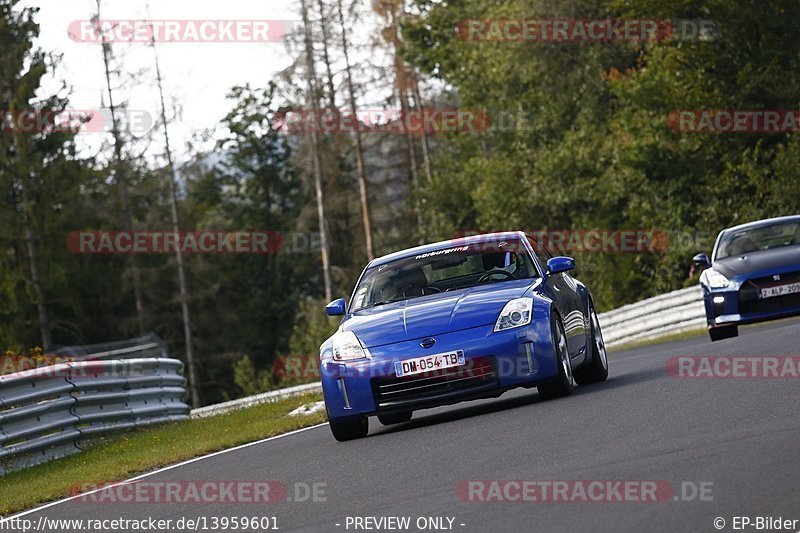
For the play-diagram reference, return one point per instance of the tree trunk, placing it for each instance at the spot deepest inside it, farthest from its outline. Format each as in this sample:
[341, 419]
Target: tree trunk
[315, 154]
[414, 169]
[325, 57]
[41, 301]
[426, 158]
[119, 177]
[194, 379]
[360, 167]
[30, 239]
[391, 12]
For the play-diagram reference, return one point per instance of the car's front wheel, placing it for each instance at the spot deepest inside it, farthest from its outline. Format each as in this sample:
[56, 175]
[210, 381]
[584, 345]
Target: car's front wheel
[564, 382]
[596, 369]
[349, 429]
[723, 332]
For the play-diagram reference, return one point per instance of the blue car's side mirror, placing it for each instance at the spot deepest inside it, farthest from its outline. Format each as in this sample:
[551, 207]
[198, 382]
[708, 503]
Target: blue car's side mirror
[336, 307]
[560, 264]
[701, 260]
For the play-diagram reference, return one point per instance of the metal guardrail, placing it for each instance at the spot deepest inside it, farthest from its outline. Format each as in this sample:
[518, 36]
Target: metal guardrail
[674, 312]
[51, 412]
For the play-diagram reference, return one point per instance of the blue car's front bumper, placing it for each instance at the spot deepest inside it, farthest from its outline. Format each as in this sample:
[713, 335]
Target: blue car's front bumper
[494, 362]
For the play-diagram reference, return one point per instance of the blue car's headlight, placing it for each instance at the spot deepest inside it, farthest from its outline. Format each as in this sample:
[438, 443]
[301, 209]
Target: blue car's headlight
[715, 280]
[346, 346]
[516, 313]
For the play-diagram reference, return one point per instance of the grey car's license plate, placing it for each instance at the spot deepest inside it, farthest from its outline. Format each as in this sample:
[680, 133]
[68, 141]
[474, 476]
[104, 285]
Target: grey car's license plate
[779, 290]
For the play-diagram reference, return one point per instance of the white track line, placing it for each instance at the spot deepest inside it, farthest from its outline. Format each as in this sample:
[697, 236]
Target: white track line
[160, 470]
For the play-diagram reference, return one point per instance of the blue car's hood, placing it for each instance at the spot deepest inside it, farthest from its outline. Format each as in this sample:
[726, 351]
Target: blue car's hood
[778, 259]
[434, 314]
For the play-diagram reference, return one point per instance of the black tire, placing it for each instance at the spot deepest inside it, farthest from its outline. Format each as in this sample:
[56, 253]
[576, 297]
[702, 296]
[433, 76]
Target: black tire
[595, 369]
[349, 429]
[564, 382]
[395, 418]
[723, 332]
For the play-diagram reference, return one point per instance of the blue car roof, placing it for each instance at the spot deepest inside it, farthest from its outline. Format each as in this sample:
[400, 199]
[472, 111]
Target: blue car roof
[443, 245]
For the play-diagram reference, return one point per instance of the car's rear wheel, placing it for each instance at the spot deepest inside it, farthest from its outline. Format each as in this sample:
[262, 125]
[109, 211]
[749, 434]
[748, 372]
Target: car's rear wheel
[564, 382]
[596, 369]
[723, 332]
[349, 429]
[395, 418]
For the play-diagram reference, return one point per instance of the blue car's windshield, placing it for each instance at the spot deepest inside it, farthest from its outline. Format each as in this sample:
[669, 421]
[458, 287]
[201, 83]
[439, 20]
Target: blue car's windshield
[740, 242]
[444, 270]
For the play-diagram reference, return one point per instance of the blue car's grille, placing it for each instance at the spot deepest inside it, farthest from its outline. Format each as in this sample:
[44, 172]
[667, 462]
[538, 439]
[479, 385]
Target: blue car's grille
[393, 392]
[749, 303]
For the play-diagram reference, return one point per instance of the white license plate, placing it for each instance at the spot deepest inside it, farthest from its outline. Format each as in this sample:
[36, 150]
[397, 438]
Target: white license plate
[779, 290]
[428, 363]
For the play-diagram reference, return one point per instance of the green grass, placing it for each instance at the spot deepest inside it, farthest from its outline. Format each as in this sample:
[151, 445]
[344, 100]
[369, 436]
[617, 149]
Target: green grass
[660, 340]
[129, 454]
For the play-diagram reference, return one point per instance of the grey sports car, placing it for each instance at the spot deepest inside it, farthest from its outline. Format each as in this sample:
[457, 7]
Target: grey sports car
[753, 275]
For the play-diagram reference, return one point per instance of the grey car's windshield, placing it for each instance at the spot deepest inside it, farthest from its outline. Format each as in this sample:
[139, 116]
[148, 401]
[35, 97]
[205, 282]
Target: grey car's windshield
[748, 240]
[443, 270]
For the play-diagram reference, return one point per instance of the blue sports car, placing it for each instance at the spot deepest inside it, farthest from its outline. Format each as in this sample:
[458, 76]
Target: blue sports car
[454, 321]
[753, 275]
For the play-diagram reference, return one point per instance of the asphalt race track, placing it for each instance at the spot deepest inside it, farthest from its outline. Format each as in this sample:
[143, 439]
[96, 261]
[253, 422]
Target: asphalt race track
[736, 439]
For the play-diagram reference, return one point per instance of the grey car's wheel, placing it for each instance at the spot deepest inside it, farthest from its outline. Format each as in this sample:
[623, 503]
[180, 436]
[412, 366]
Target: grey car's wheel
[723, 332]
[564, 382]
[595, 369]
[395, 418]
[349, 429]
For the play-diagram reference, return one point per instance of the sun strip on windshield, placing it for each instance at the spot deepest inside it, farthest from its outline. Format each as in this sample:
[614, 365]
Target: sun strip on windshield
[443, 252]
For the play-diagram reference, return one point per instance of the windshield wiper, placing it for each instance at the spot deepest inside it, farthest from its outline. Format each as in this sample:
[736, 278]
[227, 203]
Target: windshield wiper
[389, 301]
[382, 302]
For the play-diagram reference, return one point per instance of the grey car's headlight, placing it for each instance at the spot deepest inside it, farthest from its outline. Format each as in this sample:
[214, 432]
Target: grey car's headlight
[516, 313]
[346, 346]
[716, 280]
